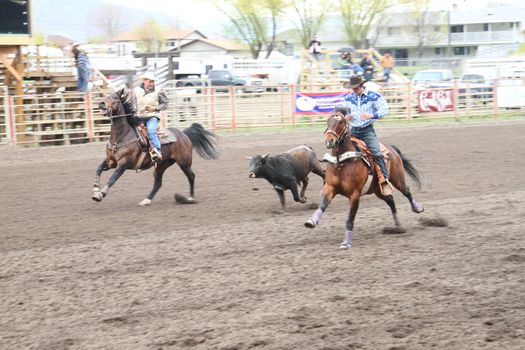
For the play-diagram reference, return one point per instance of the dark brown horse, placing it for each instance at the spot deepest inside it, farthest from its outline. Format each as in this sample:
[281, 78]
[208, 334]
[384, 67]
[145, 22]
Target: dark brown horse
[126, 149]
[347, 173]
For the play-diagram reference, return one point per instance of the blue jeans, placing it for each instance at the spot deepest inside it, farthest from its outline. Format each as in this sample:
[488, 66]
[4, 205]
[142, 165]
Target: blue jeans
[83, 77]
[152, 125]
[386, 74]
[368, 135]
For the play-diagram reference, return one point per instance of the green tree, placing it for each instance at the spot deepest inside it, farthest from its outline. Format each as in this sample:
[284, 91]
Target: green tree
[39, 38]
[254, 21]
[426, 24]
[109, 19]
[150, 35]
[359, 16]
[311, 15]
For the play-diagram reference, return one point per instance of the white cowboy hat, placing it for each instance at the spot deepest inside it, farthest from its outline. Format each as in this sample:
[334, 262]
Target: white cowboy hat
[148, 75]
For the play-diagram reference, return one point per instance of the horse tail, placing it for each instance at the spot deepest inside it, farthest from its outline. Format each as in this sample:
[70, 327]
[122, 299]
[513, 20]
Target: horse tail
[204, 141]
[410, 168]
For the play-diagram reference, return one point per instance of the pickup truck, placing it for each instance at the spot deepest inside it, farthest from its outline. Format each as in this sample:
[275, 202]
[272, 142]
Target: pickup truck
[476, 85]
[472, 84]
[226, 78]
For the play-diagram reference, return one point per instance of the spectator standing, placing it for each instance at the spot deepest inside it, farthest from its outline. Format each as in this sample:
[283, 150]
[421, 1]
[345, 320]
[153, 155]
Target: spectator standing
[315, 47]
[368, 67]
[83, 67]
[387, 62]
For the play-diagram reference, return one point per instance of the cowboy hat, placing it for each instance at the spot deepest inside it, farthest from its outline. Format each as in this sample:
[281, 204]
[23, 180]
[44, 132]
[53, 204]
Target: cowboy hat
[148, 75]
[355, 81]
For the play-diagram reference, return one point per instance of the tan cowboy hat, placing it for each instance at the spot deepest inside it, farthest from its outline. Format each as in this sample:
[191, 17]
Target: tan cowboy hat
[355, 81]
[148, 75]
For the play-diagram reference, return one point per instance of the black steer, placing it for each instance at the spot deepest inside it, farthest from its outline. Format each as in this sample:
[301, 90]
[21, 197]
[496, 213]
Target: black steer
[286, 170]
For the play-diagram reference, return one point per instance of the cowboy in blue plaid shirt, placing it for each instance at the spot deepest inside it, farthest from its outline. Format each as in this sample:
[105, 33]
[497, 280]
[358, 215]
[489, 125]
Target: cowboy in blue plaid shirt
[362, 108]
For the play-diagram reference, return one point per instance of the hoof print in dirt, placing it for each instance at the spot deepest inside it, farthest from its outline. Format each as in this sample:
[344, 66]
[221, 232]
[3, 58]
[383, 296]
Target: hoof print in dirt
[393, 230]
[184, 200]
[436, 222]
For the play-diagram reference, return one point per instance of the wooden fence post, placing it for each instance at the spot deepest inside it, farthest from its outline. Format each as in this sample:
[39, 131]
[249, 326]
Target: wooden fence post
[10, 121]
[281, 99]
[495, 97]
[409, 104]
[455, 98]
[89, 116]
[232, 97]
[212, 100]
[292, 97]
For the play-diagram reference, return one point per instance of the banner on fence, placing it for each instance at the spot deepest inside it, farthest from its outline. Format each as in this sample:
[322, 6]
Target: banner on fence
[317, 102]
[435, 100]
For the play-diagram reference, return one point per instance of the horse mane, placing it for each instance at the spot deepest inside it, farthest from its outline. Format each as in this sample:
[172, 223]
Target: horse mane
[129, 101]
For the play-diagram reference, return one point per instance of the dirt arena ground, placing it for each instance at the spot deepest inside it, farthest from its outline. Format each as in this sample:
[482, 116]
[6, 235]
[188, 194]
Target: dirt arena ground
[230, 273]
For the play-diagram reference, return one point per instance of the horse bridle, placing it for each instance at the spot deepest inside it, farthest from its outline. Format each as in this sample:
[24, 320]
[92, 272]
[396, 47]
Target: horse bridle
[343, 134]
[107, 107]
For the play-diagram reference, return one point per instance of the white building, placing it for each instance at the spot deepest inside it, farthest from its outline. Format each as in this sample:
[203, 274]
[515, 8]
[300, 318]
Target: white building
[466, 33]
[186, 42]
[456, 33]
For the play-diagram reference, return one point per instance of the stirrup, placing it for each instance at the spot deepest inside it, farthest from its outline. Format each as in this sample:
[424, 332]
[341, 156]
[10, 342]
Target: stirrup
[155, 155]
[386, 188]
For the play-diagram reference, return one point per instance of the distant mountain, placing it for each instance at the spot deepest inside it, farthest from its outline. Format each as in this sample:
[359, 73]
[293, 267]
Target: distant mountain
[74, 18]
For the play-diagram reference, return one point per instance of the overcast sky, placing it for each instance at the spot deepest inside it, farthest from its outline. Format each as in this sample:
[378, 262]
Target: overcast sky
[201, 14]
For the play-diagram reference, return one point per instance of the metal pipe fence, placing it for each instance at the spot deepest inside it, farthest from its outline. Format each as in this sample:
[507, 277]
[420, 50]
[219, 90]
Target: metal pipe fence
[70, 118]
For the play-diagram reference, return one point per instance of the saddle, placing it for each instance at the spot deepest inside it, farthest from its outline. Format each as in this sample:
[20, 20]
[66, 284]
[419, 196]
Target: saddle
[165, 136]
[360, 144]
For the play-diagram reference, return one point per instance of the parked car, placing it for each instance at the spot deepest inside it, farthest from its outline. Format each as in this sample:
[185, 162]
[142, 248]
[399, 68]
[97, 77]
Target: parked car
[226, 78]
[476, 85]
[433, 78]
[468, 85]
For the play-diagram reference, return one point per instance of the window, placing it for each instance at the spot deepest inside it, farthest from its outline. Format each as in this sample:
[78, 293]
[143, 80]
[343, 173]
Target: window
[14, 17]
[485, 27]
[457, 29]
[461, 51]
[438, 51]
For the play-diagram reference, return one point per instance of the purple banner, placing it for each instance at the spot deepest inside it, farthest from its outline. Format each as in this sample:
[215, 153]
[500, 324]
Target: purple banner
[317, 102]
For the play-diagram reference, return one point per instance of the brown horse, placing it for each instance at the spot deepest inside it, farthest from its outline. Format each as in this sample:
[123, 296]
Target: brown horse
[348, 174]
[126, 149]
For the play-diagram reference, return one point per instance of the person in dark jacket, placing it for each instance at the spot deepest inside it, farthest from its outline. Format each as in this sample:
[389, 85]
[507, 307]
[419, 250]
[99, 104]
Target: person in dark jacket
[315, 47]
[368, 67]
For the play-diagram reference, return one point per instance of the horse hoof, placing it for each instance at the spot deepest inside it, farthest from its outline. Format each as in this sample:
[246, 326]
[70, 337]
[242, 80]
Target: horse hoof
[145, 202]
[310, 223]
[97, 196]
[418, 209]
[303, 200]
[184, 200]
[345, 245]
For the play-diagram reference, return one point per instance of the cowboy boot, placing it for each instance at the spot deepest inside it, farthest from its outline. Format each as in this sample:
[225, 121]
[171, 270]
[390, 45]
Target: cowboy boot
[384, 185]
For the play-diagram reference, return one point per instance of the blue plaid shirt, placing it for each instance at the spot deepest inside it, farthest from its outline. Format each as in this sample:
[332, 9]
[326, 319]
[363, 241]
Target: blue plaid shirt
[369, 102]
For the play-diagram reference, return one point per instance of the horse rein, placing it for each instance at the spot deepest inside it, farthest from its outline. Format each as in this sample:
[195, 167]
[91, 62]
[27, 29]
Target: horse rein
[107, 108]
